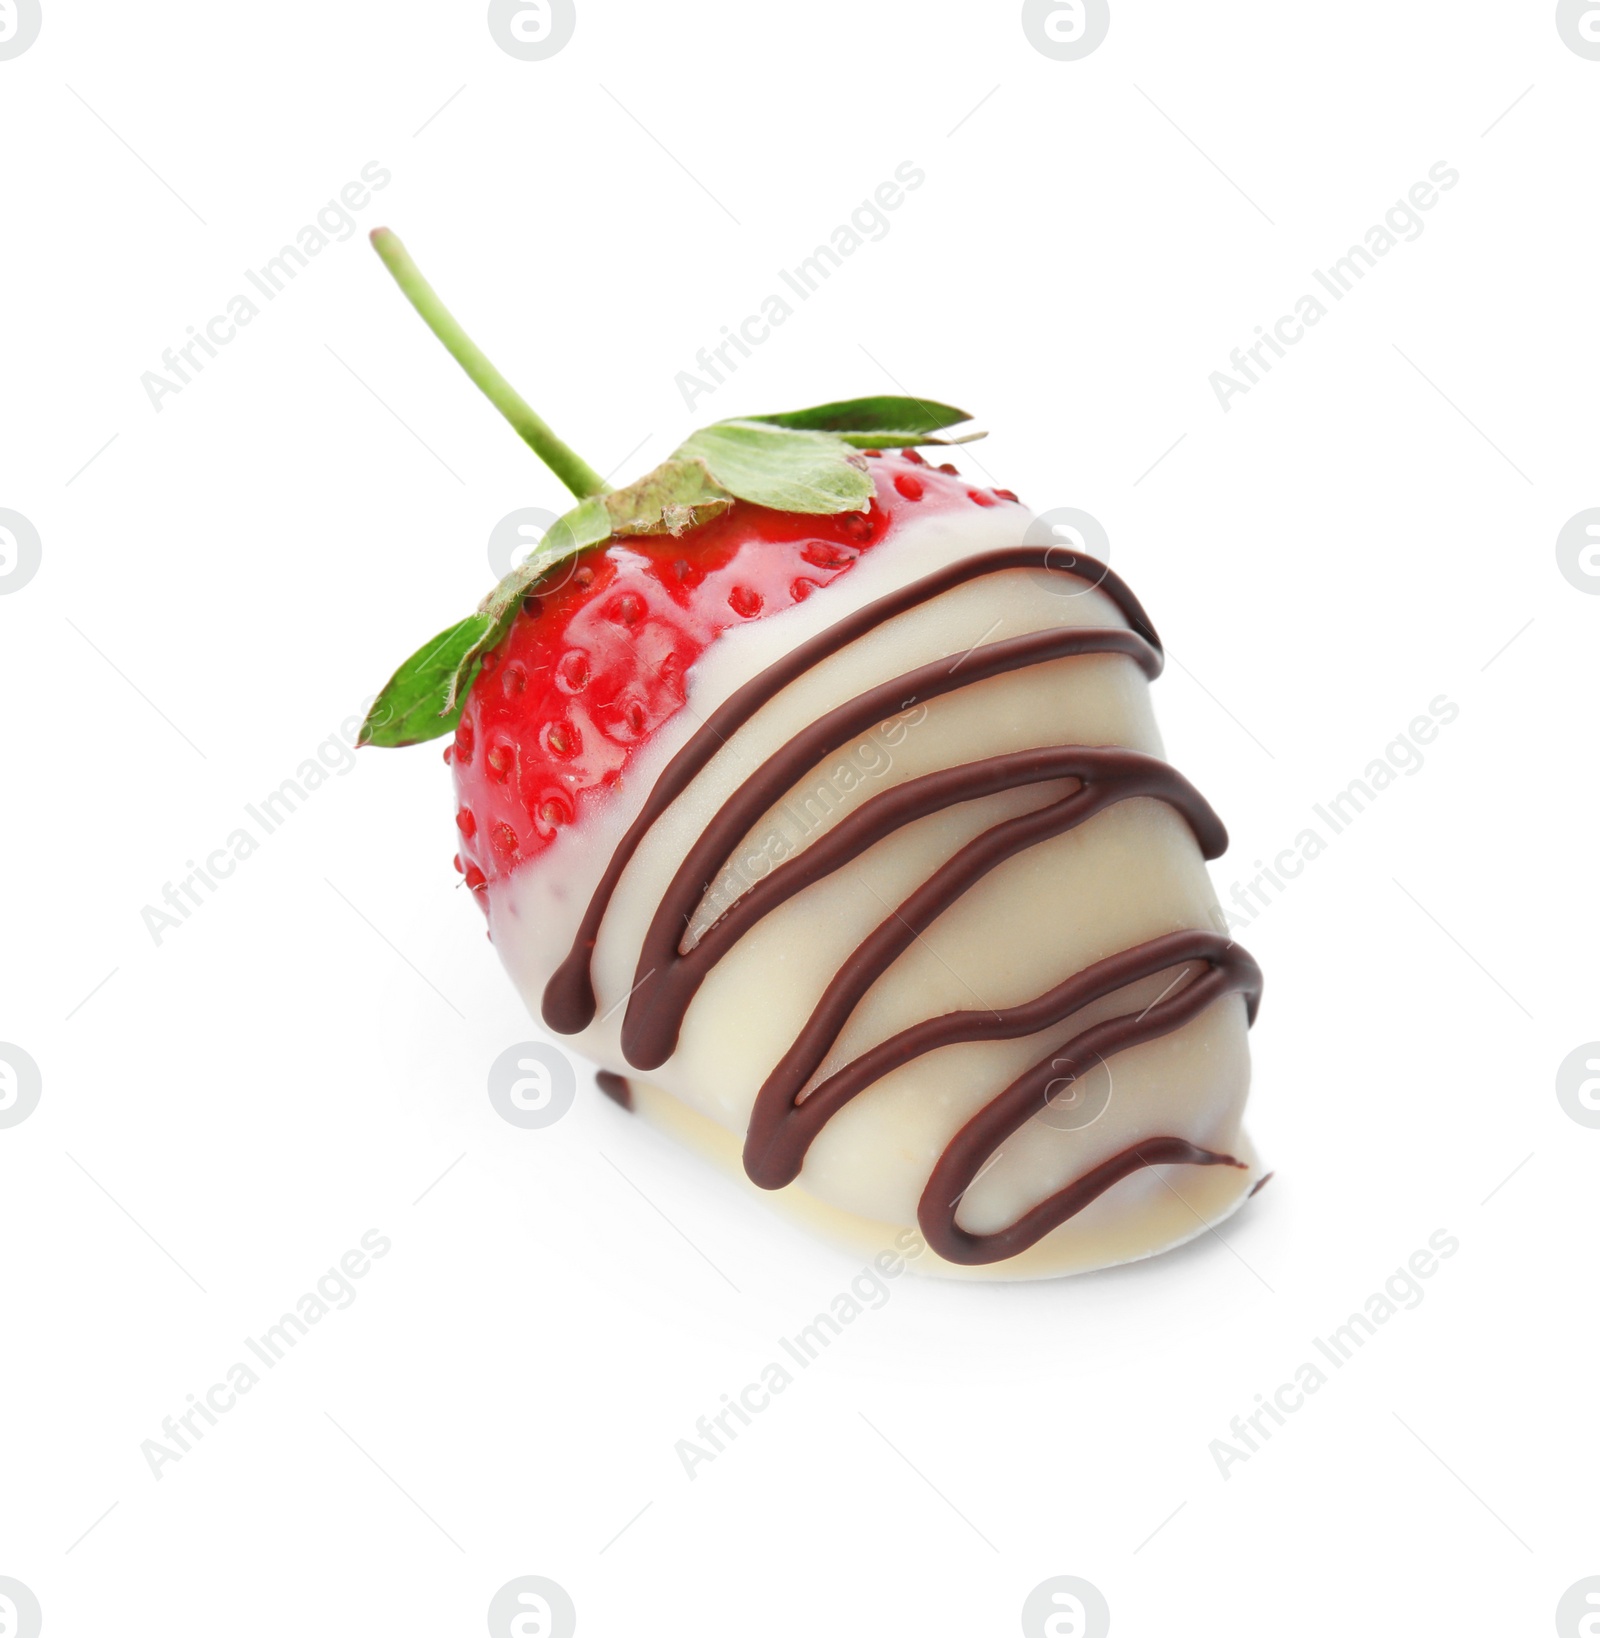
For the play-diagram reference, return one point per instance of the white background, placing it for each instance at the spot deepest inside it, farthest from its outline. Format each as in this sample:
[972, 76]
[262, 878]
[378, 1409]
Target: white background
[226, 1113]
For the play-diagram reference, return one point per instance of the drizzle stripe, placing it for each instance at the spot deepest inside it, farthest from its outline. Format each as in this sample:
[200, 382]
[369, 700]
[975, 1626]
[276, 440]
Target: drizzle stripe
[1230, 971]
[786, 1119]
[666, 981]
[569, 1001]
[650, 1031]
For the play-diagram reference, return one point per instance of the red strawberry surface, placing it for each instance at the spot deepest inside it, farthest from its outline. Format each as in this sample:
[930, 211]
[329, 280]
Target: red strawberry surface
[598, 658]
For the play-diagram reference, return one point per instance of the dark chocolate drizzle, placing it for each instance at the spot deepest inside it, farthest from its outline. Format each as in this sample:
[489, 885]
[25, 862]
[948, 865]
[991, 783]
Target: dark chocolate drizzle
[1228, 971]
[569, 1003]
[615, 1087]
[787, 1117]
[666, 980]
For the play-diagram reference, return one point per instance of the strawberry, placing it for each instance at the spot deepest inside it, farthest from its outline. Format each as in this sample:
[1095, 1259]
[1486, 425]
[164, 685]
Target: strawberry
[553, 689]
[556, 683]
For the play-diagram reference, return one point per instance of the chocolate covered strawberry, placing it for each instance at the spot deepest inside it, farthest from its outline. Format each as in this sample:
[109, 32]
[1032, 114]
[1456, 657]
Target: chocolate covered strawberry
[795, 776]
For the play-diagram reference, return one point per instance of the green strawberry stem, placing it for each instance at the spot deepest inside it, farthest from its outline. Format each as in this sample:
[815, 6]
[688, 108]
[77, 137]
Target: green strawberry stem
[565, 462]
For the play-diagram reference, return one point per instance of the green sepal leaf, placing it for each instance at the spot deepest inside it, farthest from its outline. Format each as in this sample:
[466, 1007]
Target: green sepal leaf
[422, 700]
[679, 494]
[906, 440]
[789, 471]
[874, 423]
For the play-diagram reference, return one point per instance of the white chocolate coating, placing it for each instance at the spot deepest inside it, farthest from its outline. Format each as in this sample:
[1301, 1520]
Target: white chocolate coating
[1131, 873]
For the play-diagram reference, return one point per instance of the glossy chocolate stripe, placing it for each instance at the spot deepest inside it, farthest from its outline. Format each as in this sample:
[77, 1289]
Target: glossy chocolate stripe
[615, 1087]
[787, 1119]
[1231, 971]
[657, 1005]
[569, 1000]
[671, 979]
[955, 1245]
